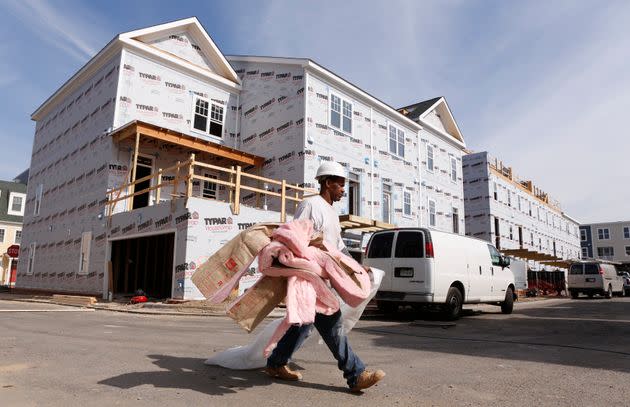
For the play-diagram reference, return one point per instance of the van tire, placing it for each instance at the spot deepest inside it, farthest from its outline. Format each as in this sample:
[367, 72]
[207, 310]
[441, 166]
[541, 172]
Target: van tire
[508, 305]
[387, 307]
[453, 305]
[609, 292]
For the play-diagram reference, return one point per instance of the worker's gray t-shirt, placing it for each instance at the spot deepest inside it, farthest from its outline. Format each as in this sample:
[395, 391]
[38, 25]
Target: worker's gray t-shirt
[325, 219]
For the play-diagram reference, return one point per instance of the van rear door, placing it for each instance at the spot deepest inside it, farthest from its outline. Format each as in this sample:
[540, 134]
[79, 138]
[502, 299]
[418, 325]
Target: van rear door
[379, 255]
[411, 269]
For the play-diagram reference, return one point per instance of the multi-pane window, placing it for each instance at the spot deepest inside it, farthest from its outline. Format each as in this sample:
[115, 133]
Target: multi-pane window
[208, 117]
[584, 252]
[432, 221]
[603, 234]
[496, 192]
[626, 232]
[455, 220]
[340, 114]
[605, 252]
[627, 250]
[18, 236]
[2, 235]
[583, 237]
[396, 141]
[16, 204]
[453, 169]
[429, 157]
[407, 203]
[209, 188]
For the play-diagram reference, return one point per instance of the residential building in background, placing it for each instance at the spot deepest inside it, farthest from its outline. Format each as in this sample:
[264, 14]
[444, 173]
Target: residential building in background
[606, 241]
[131, 158]
[12, 203]
[516, 216]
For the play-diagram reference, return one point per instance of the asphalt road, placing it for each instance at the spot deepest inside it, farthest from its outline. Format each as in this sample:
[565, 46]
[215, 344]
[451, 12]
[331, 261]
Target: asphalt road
[548, 353]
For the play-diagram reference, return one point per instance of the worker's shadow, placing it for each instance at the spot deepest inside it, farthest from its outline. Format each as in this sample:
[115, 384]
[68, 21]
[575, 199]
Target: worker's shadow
[193, 374]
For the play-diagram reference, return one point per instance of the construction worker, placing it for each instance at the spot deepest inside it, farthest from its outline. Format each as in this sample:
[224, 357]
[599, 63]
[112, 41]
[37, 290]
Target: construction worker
[319, 209]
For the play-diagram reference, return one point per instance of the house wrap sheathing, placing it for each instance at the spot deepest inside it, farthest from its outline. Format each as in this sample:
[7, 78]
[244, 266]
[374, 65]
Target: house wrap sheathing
[278, 118]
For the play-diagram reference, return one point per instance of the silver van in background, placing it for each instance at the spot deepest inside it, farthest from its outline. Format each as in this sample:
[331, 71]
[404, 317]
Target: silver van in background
[594, 277]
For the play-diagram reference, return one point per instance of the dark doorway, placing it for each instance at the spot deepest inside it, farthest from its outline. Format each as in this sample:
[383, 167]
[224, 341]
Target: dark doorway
[354, 195]
[143, 169]
[497, 234]
[143, 263]
[520, 237]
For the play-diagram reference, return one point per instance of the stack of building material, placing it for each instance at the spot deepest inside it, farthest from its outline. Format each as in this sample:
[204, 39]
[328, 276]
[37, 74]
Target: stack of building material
[76, 300]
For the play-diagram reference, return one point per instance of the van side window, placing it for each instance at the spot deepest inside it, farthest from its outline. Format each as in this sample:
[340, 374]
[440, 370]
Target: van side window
[409, 245]
[591, 268]
[576, 269]
[381, 246]
[495, 256]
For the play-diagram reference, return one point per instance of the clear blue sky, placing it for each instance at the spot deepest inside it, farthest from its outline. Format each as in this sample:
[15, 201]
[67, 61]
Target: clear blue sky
[542, 85]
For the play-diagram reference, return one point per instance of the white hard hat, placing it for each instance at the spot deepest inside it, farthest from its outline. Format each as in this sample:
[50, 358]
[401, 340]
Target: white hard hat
[330, 169]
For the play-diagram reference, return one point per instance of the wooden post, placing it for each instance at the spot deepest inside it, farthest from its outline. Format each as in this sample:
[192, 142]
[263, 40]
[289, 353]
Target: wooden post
[295, 203]
[231, 190]
[259, 185]
[175, 184]
[283, 202]
[159, 187]
[237, 191]
[191, 172]
[133, 172]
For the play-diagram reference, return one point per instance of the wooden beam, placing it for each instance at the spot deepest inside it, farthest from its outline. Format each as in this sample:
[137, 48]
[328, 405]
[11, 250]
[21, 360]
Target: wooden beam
[133, 170]
[237, 191]
[283, 202]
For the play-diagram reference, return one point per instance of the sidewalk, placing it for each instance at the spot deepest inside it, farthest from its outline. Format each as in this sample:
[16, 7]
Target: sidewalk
[188, 308]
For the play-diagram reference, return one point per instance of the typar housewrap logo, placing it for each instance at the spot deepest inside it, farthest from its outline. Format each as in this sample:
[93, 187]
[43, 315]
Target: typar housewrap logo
[147, 110]
[187, 220]
[219, 224]
[150, 78]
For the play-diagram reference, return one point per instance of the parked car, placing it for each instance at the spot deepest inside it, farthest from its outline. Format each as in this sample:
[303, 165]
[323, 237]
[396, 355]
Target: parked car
[425, 266]
[594, 277]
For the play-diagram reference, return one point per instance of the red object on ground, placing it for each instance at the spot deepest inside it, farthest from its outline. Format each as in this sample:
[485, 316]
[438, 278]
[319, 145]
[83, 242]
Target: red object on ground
[138, 299]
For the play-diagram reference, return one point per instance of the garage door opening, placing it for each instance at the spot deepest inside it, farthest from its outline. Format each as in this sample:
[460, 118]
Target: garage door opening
[144, 263]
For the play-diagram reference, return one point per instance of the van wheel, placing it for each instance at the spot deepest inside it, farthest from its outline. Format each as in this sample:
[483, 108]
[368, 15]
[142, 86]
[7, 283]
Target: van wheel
[508, 305]
[453, 305]
[387, 307]
[574, 294]
[609, 292]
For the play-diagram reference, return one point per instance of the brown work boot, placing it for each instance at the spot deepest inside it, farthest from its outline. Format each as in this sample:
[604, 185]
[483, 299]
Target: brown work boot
[283, 373]
[367, 379]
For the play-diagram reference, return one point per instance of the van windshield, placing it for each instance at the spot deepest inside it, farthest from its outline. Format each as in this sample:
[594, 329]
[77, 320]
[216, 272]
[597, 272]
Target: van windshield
[591, 269]
[381, 246]
[576, 269]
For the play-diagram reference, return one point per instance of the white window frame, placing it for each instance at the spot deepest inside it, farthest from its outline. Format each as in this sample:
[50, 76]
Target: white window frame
[610, 249]
[209, 117]
[3, 234]
[342, 100]
[84, 253]
[583, 235]
[495, 192]
[604, 235]
[387, 219]
[453, 169]
[13, 195]
[407, 197]
[209, 184]
[38, 199]
[434, 223]
[432, 167]
[30, 267]
[626, 232]
[15, 236]
[585, 252]
[399, 140]
[455, 211]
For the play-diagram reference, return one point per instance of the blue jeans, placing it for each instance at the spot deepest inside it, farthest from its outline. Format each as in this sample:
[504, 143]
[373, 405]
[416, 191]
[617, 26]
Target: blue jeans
[331, 329]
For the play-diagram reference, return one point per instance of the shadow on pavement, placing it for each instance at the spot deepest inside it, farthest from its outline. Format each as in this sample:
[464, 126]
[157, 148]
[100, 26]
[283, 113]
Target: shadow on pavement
[193, 374]
[590, 334]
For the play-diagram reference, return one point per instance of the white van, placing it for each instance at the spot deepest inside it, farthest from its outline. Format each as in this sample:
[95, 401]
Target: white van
[594, 277]
[425, 266]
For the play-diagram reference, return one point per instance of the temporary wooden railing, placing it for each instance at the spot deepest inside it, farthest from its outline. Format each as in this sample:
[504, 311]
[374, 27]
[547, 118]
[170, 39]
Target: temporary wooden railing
[234, 184]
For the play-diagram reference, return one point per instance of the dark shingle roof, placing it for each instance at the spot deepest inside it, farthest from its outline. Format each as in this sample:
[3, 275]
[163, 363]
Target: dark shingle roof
[417, 109]
[6, 187]
[23, 177]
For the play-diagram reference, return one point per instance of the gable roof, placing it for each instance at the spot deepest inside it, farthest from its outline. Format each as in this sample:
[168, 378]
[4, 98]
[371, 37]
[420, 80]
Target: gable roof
[419, 111]
[134, 40]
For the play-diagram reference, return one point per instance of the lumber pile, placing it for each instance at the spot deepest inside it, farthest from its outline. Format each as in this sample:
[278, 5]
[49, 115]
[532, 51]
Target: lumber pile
[76, 300]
